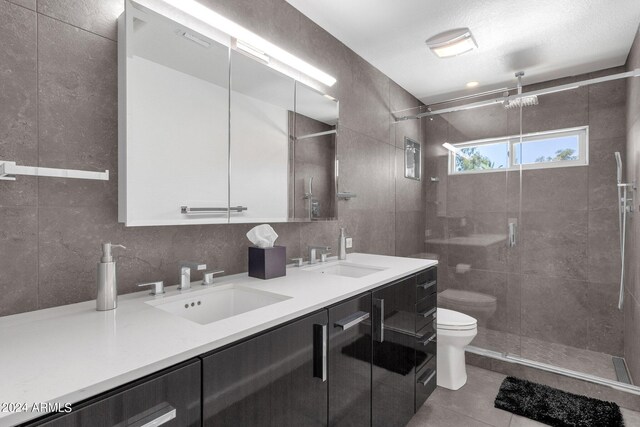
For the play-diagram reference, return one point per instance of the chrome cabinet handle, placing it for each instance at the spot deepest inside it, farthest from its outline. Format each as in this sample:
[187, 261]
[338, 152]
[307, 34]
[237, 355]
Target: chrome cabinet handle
[378, 320]
[351, 320]
[427, 377]
[427, 285]
[157, 416]
[431, 311]
[320, 348]
[428, 340]
[186, 210]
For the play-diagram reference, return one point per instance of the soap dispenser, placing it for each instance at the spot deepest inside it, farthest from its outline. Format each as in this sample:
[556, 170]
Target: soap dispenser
[107, 285]
[342, 245]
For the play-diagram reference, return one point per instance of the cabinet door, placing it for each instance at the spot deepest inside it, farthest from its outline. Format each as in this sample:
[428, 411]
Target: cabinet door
[171, 400]
[269, 380]
[394, 359]
[350, 363]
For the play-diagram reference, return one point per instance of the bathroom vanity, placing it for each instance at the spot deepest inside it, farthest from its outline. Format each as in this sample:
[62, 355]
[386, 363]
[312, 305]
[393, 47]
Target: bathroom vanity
[333, 350]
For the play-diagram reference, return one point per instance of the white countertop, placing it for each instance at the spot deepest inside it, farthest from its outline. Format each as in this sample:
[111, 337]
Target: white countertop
[70, 353]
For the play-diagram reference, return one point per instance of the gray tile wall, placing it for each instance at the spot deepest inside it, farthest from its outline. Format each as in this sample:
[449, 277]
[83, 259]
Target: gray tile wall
[559, 283]
[632, 168]
[58, 107]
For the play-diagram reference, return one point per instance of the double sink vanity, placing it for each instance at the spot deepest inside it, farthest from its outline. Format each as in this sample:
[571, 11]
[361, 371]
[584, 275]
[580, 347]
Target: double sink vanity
[336, 343]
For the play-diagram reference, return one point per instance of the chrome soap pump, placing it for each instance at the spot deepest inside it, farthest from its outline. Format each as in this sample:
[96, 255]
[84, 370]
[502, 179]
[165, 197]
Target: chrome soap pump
[107, 285]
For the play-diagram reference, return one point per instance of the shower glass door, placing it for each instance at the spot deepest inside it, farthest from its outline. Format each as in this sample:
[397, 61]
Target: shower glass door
[472, 198]
[569, 253]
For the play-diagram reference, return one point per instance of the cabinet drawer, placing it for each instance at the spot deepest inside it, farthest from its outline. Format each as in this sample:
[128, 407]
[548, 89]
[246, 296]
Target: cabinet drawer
[427, 283]
[426, 311]
[426, 382]
[170, 399]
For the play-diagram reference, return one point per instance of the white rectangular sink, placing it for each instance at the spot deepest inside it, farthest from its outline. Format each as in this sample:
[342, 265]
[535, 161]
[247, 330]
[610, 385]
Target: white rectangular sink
[344, 268]
[217, 303]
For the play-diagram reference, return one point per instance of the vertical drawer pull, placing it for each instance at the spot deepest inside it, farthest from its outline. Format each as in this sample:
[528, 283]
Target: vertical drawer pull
[378, 320]
[320, 352]
[352, 320]
[154, 417]
[427, 377]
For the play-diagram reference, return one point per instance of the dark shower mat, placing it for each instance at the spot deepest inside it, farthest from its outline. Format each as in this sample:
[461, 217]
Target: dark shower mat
[391, 356]
[556, 407]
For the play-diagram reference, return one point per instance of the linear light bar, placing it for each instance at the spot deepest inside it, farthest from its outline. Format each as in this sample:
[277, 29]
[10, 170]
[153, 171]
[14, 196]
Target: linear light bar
[246, 37]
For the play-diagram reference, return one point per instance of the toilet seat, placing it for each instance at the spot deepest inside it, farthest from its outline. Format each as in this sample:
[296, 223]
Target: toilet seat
[450, 320]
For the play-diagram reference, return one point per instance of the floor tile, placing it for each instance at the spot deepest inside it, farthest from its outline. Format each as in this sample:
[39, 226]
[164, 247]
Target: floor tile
[436, 416]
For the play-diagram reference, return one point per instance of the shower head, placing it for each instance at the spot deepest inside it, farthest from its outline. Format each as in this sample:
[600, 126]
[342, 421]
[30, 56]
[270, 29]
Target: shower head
[619, 164]
[525, 101]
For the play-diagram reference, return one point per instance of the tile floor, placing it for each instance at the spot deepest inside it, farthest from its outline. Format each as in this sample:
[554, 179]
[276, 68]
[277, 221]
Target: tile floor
[472, 406]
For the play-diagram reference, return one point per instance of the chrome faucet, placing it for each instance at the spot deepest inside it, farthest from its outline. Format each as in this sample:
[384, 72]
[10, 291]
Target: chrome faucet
[312, 252]
[185, 273]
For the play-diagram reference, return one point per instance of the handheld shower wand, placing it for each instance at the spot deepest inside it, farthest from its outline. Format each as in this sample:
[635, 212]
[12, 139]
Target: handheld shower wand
[625, 207]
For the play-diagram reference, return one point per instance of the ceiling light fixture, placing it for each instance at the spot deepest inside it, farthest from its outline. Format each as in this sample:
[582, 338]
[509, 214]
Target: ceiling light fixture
[473, 84]
[246, 37]
[452, 43]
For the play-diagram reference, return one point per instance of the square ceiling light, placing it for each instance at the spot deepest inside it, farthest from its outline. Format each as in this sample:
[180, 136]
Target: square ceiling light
[452, 43]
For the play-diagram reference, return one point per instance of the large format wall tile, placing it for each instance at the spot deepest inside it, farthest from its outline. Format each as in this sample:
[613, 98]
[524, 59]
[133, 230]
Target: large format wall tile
[555, 244]
[604, 246]
[555, 310]
[18, 101]
[74, 92]
[603, 193]
[555, 189]
[18, 259]
[605, 320]
[97, 16]
[77, 113]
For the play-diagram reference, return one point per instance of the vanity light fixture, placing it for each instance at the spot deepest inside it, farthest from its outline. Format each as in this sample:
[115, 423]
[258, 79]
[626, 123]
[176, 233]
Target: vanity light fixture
[208, 16]
[452, 43]
[455, 150]
[473, 84]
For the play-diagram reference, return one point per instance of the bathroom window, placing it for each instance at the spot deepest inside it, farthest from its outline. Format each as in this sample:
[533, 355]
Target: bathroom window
[557, 148]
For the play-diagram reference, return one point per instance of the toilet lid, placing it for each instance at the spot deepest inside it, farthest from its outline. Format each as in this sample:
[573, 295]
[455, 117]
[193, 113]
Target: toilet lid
[449, 319]
[467, 298]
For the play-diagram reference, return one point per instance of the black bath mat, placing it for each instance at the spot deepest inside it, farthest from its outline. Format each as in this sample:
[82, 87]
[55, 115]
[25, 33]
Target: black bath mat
[556, 407]
[391, 356]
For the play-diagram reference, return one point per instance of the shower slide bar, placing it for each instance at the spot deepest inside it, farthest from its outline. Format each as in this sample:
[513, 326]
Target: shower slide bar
[510, 99]
[511, 358]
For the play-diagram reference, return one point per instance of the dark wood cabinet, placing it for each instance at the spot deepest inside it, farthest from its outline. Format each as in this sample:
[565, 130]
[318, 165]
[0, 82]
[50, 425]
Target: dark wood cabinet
[394, 356]
[274, 379]
[172, 395]
[350, 362]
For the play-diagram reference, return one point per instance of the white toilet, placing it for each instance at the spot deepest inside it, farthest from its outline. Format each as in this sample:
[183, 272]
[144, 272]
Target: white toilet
[455, 331]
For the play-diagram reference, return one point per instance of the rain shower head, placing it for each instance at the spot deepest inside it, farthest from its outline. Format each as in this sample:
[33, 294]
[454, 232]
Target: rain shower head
[522, 101]
[619, 164]
[525, 101]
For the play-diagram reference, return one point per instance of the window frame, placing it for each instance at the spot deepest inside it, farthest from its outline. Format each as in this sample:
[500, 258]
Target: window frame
[583, 150]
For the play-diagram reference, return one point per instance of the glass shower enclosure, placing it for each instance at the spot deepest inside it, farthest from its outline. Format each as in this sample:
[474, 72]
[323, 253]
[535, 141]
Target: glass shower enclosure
[521, 211]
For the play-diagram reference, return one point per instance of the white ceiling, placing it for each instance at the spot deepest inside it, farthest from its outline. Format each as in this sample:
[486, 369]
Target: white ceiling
[546, 38]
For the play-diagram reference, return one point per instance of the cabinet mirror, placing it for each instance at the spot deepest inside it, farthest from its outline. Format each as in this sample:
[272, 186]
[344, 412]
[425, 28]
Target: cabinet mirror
[210, 134]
